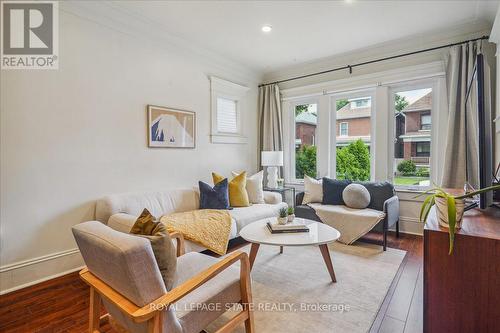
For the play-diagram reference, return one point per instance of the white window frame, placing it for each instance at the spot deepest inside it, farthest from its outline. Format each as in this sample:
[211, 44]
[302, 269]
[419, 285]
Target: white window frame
[291, 136]
[421, 123]
[354, 101]
[352, 94]
[220, 88]
[346, 128]
[415, 84]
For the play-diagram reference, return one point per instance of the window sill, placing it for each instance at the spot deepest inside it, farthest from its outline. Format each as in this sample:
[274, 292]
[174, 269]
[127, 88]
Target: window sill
[409, 189]
[236, 139]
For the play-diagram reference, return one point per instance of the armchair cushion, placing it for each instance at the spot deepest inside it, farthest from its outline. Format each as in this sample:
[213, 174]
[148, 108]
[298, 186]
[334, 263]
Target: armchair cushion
[379, 193]
[254, 187]
[161, 243]
[199, 308]
[356, 196]
[238, 196]
[313, 190]
[332, 191]
[125, 262]
[216, 197]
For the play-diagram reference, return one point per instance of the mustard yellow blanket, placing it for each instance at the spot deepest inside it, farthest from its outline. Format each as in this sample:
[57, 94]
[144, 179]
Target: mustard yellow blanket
[207, 227]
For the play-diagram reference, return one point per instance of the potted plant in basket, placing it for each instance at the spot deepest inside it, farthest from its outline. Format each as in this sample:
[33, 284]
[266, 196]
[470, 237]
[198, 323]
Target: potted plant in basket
[291, 215]
[283, 216]
[449, 208]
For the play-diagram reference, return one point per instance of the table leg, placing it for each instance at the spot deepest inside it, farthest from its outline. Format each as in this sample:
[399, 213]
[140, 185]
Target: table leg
[328, 261]
[253, 253]
[281, 249]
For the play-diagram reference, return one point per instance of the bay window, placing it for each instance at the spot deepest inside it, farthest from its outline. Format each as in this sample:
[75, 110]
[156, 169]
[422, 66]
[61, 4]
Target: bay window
[381, 132]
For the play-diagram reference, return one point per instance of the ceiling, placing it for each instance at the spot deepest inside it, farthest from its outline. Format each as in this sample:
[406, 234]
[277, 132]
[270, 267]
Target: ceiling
[302, 30]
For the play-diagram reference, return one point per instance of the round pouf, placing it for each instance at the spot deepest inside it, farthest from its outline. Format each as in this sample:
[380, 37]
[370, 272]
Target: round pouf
[356, 196]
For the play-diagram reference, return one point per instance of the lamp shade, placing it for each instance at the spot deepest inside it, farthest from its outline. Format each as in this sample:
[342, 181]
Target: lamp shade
[272, 158]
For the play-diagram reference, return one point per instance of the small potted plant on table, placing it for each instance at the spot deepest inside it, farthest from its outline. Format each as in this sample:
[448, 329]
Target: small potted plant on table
[291, 215]
[283, 216]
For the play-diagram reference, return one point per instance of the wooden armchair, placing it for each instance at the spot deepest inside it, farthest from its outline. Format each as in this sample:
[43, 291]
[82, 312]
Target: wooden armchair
[122, 274]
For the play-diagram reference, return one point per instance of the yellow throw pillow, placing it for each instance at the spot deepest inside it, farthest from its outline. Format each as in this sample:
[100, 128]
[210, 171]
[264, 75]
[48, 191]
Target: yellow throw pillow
[238, 196]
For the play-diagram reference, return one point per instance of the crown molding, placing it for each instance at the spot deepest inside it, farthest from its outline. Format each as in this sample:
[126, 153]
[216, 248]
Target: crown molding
[114, 16]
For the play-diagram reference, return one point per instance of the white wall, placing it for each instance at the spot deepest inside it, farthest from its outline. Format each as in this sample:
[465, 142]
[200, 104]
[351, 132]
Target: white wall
[72, 135]
[377, 77]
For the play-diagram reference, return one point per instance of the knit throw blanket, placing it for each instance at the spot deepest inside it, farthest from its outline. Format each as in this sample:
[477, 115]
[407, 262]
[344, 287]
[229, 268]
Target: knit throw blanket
[352, 223]
[207, 227]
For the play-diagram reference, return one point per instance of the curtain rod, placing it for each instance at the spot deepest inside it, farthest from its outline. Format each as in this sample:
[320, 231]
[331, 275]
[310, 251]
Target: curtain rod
[350, 67]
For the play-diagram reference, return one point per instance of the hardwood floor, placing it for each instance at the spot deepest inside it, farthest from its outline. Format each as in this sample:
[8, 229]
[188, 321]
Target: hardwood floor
[402, 309]
[61, 304]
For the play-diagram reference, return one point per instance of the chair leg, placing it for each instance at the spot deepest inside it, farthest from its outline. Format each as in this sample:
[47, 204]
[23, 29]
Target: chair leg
[246, 295]
[397, 228]
[385, 234]
[154, 324]
[94, 311]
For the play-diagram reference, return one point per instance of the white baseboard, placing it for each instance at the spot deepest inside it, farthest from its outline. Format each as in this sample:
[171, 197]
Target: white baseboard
[30, 272]
[410, 225]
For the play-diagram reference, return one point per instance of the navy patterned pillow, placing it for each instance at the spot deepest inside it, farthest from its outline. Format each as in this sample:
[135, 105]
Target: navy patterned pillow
[216, 197]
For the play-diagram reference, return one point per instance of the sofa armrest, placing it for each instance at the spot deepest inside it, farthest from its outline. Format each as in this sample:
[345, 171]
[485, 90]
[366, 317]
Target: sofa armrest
[299, 197]
[122, 222]
[391, 210]
[272, 198]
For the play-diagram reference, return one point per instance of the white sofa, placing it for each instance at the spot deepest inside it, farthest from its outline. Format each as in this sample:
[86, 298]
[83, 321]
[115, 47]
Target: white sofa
[120, 211]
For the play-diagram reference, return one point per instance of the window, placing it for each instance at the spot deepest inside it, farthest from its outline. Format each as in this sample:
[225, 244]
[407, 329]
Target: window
[227, 111]
[412, 148]
[353, 138]
[305, 146]
[423, 149]
[360, 103]
[344, 129]
[227, 117]
[425, 122]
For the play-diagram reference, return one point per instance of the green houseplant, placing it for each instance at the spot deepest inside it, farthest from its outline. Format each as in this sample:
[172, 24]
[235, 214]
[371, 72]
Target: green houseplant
[283, 216]
[291, 215]
[450, 208]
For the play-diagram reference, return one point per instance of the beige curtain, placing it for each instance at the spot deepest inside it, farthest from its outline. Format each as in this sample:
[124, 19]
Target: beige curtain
[461, 138]
[270, 119]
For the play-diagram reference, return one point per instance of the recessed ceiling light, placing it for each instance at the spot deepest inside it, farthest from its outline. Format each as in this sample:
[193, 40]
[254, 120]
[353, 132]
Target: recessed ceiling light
[267, 28]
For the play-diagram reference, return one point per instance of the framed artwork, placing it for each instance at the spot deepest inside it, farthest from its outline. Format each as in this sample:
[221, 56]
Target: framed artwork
[171, 128]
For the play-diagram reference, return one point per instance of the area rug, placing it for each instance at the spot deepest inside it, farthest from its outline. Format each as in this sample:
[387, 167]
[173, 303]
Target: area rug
[292, 292]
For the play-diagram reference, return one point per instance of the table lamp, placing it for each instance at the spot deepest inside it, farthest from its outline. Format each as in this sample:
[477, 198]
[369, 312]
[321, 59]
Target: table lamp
[272, 160]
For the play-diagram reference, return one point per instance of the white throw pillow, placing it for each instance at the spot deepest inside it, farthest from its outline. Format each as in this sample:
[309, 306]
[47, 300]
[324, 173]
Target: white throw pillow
[356, 196]
[313, 190]
[254, 187]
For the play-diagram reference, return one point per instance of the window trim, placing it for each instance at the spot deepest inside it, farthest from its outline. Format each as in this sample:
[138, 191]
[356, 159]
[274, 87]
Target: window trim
[291, 174]
[417, 144]
[414, 84]
[220, 88]
[421, 123]
[346, 128]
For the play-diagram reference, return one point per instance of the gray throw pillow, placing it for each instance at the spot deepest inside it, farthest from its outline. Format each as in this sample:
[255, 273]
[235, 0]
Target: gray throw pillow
[356, 196]
[161, 243]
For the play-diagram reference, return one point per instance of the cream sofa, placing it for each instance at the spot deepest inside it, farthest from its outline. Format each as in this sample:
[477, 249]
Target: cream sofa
[120, 211]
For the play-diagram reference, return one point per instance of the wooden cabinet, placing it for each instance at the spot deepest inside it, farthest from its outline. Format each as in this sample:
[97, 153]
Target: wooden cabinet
[462, 290]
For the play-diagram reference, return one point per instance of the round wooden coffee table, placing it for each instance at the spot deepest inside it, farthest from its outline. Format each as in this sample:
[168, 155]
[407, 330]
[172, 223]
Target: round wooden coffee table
[319, 234]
